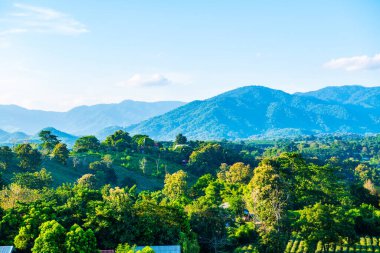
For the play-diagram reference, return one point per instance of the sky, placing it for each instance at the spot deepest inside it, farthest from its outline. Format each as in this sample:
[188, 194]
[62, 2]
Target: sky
[55, 55]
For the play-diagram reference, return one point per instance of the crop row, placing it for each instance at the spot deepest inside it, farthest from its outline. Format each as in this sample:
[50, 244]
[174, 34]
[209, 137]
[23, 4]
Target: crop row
[364, 245]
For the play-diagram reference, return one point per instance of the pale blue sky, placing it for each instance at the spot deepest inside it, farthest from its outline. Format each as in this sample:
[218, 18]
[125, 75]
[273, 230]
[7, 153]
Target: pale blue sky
[55, 55]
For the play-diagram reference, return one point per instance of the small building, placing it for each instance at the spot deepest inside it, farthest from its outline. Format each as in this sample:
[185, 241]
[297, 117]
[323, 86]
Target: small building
[163, 249]
[6, 249]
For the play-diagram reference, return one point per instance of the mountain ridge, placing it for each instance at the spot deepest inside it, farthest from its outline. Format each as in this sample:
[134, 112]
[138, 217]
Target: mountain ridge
[254, 110]
[82, 120]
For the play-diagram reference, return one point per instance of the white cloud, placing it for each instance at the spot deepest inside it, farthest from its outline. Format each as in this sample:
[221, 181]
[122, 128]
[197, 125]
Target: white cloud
[355, 63]
[138, 80]
[42, 19]
[32, 19]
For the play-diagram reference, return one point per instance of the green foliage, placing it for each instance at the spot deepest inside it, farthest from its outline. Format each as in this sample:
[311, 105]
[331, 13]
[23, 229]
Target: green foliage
[326, 223]
[51, 238]
[207, 159]
[104, 173]
[189, 243]
[237, 173]
[61, 153]
[125, 248]
[33, 180]
[36, 214]
[175, 186]
[49, 141]
[86, 143]
[180, 139]
[6, 157]
[80, 241]
[118, 141]
[210, 225]
[29, 158]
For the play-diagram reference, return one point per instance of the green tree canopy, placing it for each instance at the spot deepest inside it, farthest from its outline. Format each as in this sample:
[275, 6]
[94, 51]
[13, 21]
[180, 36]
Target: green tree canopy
[33, 180]
[118, 141]
[175, 186]
[51, 238]
[61, 153]
[86, 143]
[29, 158]
[180, 139]
[80, 241]
[49, 140]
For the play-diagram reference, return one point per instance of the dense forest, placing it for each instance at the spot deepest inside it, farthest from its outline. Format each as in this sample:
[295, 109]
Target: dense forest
[305, 194]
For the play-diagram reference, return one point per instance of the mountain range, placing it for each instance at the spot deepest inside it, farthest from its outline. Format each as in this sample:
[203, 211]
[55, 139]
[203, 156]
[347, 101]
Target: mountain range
[253, 111]
[246, 112]
[81, 120]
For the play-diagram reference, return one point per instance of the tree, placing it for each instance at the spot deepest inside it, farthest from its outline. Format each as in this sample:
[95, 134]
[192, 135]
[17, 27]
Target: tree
[13, 195]
[80, 241]
[49, 141]
[33, 180]
[237, 173]
[207, 159]
[34, 214]
[112, 219]
[180, 139]
[86, 143]
[103, 172]
[87, 181]
[326, 223]
[125, 248]
[6, 156]
[142, 141]
[51, 238]
[269, 202]
[61, 153]
[210, 225]
[118, 141]
[29, 158]
[143, 165]
[175, 186]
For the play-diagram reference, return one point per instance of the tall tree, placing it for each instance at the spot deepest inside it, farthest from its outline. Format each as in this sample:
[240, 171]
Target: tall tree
[33, 180]
[6, 156]
[86, 143]
[180, 139]
[175, 186]
[80, 241]
[51, 238]
[118, 141]
[61, 153]
[269, 202]
[48, 141]
[326, 223]
[29, 158]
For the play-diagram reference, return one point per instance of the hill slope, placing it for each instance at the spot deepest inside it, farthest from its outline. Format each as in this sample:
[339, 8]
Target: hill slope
[257, 110]
[84, 119]
[354, 95]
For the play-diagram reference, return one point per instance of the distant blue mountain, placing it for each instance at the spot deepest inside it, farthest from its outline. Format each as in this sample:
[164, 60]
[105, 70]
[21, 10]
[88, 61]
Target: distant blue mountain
[82, 120]
[20, 137]
[255, 110]
[354, 95]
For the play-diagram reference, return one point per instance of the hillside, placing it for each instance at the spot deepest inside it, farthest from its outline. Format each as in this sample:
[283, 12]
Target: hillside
[257, 110]
[355, 95]
[84, 119]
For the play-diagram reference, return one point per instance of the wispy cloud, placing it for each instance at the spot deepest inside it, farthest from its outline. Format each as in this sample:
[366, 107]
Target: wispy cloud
[41, 19]
[26, 18]
[138, 80]
[355, 63]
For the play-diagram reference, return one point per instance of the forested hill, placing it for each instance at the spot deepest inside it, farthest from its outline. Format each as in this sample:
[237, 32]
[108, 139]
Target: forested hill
[82, 120]
[257, 110]
[354, 95]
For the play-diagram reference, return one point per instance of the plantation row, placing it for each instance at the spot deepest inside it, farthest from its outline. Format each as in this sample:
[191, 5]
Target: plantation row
[364, 245]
